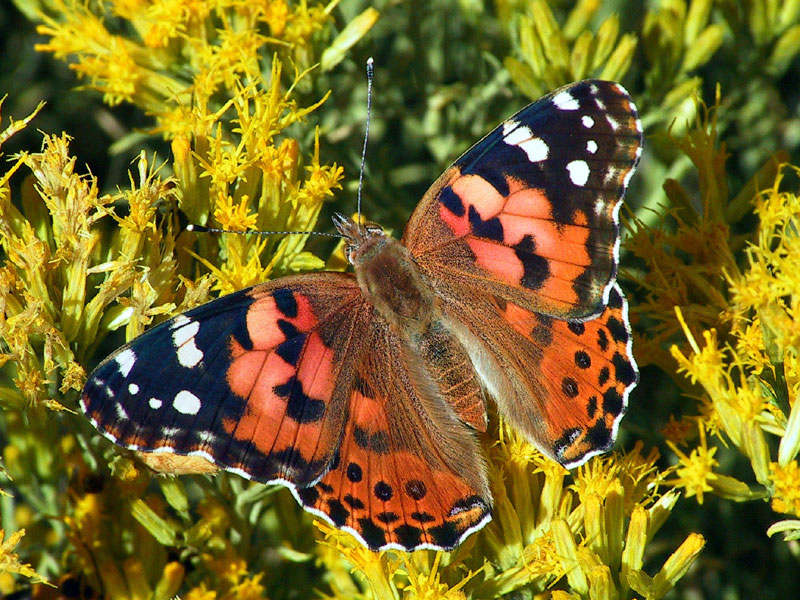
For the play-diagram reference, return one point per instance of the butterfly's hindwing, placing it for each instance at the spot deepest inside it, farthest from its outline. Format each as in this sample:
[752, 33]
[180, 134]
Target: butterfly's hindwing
[563, 384]
[409, 474]
[532, 209]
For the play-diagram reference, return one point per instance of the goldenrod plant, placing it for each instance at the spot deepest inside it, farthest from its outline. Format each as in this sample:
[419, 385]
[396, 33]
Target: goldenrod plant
[249, 116]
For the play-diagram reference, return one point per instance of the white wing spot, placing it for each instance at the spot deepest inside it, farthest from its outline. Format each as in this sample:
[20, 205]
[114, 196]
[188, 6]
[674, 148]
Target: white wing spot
[125, 361]
[600, 104]
[591, 146]
[184, 330]
[189, 355]
[207, 437]
[133, 389]
[599, 206]
[522, 137]
[587, 121]
[611, 174]
[168, 433]
[565, 101]
[613, 122]
[155, 403]
[186, 403]
[578, 172]
[180, 321]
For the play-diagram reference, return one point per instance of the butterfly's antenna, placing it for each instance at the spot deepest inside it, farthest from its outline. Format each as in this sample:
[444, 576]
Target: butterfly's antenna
[370, 73]
[204, 229]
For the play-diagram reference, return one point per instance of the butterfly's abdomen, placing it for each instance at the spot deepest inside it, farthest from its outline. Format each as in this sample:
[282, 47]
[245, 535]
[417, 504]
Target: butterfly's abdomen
[448, 364]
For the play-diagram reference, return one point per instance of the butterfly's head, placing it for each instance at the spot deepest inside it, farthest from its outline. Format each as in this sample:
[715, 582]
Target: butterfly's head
[360, 238]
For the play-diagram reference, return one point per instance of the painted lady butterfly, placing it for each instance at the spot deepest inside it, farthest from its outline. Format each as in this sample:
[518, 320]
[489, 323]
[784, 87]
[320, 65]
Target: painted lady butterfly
[363, 394]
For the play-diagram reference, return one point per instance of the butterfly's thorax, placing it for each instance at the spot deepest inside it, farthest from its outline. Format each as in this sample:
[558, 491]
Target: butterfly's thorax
[391, 281]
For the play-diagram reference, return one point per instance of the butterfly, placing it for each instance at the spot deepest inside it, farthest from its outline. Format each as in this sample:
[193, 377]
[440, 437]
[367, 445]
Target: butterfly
[365, 393]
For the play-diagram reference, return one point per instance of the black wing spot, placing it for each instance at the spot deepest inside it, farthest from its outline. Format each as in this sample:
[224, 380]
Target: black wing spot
[354, 472]
[299, 407]
[383, 491]
[570, 387]
[353, 502]
[591, 407]
[422, 517]
[286, 302]
[337, 512]
[288, 329]
[387, 517]
[291, 349]
[605, 373]
[582, 359]
[408, 536]
[576, 327]
[599, 436]
[614, 299]
[623, 369]
[536, 269]
[542, 333]
[612, 401]
[372, 534]
[377, 442]
[416, 489]
[491, 229]
[445, 535]
[308, 495]
[602, 339]
[452, 201]
[618, 331]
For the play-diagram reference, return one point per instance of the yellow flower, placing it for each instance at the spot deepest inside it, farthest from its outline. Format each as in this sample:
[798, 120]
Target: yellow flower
[200, 593]
[249, 588]
[786, 480]
[9, 561]
[695, 471]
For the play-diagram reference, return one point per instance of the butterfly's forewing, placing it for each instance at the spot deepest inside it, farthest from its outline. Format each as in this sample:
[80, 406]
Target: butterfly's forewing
[251, 381]
[530, 212]
[409, 474]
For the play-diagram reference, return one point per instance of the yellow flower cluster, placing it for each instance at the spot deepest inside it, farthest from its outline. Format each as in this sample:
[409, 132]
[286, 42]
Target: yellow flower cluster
[745, 372]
